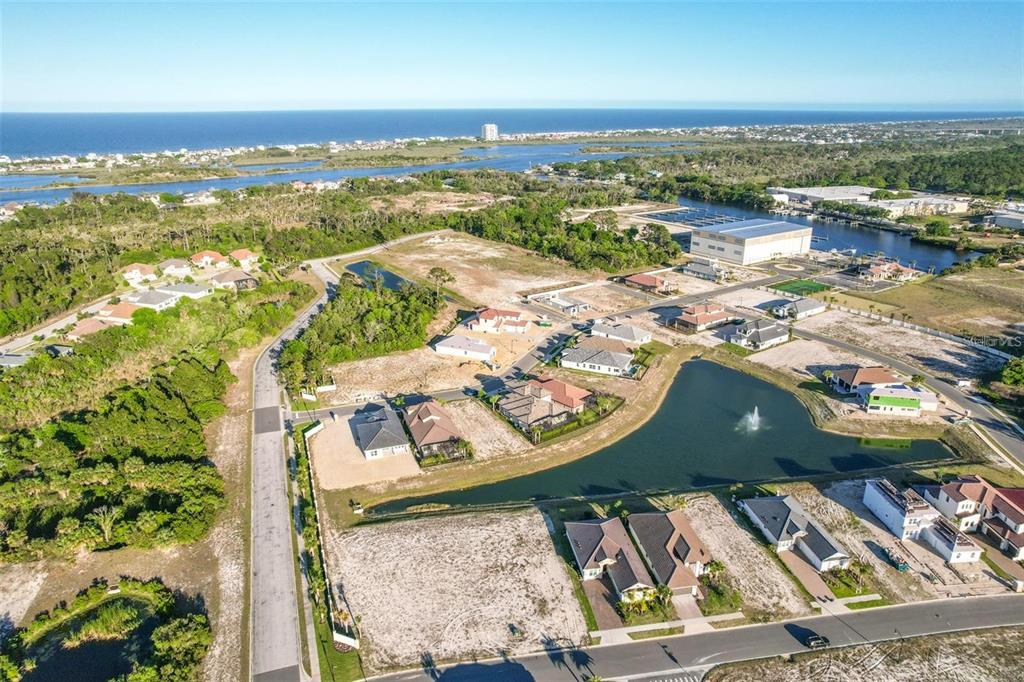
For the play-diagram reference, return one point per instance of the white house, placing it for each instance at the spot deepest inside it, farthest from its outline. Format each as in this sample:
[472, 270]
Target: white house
[246, 258]
[137, 273]
[975, 505]
[193, 291]
[205, 259]
[951, 544]
[599, 355]
[157, 300]
[906, 514]
[175, 267]
[759, 334]
[799, 309]
[379, 433]
[464, 347]
[495, 321]
[785, 524]
[629, 335]
[896, 401]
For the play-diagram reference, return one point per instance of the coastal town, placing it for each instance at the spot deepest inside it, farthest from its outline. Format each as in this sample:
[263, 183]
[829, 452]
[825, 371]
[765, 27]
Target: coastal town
[513, 342]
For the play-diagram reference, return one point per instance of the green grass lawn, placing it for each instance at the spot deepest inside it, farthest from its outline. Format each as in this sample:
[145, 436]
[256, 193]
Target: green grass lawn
[660, 632]
[801, 287]
[735, 350]
[996, 568]
[869, 604]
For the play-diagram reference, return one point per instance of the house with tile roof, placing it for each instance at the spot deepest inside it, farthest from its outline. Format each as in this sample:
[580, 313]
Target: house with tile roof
[602, 547]
[137, 273]
[975, 505]
[701, 316]
[542, 404]
[246, 258]
[118, 313]
[645, 282]
[676, 555]
[786, 525]
[86, 327]
[379, 432]
[204, 259]
[431, 428]
[860, 379]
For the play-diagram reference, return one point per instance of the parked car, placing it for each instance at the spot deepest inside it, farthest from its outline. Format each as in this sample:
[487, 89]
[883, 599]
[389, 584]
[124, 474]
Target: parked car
[817, 642]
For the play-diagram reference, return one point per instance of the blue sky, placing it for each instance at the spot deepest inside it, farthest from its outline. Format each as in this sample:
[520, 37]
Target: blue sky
[142, 56]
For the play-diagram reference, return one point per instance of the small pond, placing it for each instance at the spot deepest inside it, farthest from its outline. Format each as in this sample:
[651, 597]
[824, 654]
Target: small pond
[368, 270]
[704, 434]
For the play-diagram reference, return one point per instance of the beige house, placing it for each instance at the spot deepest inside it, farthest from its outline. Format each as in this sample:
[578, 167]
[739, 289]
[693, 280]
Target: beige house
[602, 547]
[672, 549]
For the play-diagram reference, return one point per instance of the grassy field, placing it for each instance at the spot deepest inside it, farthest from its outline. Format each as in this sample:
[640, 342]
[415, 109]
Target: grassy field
[801, 287]
[984, 301]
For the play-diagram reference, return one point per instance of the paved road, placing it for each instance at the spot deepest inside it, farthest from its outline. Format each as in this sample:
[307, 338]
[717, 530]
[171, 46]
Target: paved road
[14, 343]
[685, 657]
[998, 427]
[274, 627]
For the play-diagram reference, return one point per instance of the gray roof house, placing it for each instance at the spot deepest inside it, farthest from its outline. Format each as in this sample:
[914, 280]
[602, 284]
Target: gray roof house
[759, 334]
[379, 432]
[187, 290]
[786, 525]
[799, 309]
[628, 334]
[676, 555]
[708, 271]
[600, 355]
[602, 546]
[157, 300]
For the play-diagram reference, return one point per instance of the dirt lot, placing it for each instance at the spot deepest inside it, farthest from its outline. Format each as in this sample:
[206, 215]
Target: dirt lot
[928, 567]
[488, 273]
[766, 590]
[984, 301]
[19, 584]
[993, 656]
[489, 434]
[338, 463]
[750, 298]
[627, 215]
[856, 537]
[607, 298]
[415, 371]
[433, 202]
[945, 358]
[686, 285]
[454, 587]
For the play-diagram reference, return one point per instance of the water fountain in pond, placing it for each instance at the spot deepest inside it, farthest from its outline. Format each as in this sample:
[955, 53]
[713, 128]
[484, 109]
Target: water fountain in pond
[751, 421]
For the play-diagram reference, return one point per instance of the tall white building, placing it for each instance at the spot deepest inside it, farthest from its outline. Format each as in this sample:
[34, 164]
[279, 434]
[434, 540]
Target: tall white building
[489, 132]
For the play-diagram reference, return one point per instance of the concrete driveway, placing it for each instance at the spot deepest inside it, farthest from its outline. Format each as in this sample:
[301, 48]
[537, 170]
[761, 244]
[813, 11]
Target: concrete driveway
[805, 573]
[602, 600]
[686, 606]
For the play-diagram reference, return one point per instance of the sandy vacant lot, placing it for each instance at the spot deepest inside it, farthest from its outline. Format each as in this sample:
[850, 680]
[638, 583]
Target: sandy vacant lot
[490, 435]
[19, 584]
[454, 587]
[488, 273]
[945, 358]
[338, 462]
[858, 540]
[761, 582]
[686, 285]
[809, 358]
[415, 371]
[993, 656]
[434, 202]
[607, 298]
[749, 298]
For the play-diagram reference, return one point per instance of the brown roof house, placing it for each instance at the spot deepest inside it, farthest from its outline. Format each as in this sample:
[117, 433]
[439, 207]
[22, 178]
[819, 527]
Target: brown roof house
[646, 282]
[541, 404]
[675, 554]
[701, 316]
[432, 429]
[89, 325]
[862, 379]
[602, 547]
[975, 505]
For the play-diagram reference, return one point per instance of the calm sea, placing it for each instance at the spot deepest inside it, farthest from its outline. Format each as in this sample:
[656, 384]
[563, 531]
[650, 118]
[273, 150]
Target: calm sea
[46, 134]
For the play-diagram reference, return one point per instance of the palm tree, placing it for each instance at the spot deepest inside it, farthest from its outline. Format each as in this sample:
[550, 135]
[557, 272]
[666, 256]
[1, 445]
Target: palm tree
[105, 517]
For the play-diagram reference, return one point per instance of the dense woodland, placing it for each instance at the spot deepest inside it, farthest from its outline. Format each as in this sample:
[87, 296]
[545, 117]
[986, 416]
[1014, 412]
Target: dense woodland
[131, 471]
[46, 386]
[359, 322]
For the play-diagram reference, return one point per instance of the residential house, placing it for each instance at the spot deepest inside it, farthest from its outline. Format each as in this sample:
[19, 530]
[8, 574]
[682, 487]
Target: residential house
[432, 428]
[89, 325]
[57, 350]
[701, 316]
[905, 513]
[975, 505]
[787, 526]
[238, 280]
[672, 549]
[799, 309]
[246, 258]
[379, 432]
[600, 355]
[205, 259]
[886, 271]
[137, 273]
[633, 337]
[759, 334]
[897, 401]
[650, 283]
[951, 544]
[495, 321]
[157, 300]
[602, 547]
[464, 347]
[118, 313]
[175, 267]
[541, 403]
[567, 305]
[193, 291]
[709, 270]
[862, 379]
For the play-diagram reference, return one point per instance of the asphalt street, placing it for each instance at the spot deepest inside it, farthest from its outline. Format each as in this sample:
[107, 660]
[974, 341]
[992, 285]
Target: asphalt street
[687, 656]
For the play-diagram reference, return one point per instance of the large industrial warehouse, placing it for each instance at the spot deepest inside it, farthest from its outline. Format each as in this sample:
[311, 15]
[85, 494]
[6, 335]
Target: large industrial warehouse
[751, 241]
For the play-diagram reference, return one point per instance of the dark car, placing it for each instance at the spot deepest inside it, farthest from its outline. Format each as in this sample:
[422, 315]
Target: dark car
[817, 642]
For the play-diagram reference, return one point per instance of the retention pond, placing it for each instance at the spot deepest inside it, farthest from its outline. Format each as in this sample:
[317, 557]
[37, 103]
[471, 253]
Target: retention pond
[704, 434]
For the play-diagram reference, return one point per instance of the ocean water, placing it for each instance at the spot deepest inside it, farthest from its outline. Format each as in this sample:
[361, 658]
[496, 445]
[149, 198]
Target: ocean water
[29, 134]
